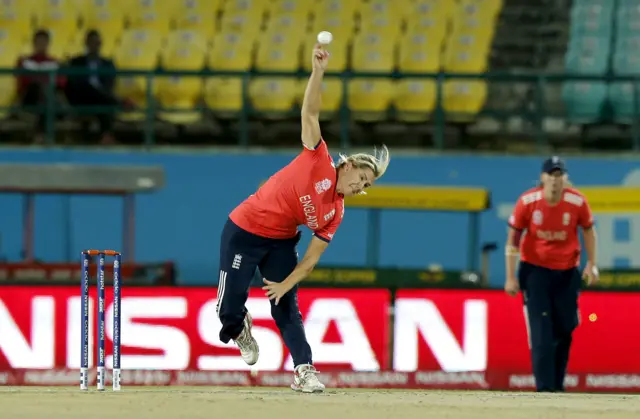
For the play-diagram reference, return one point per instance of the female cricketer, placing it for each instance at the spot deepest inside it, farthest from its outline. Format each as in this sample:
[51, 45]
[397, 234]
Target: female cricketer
[262, 232]
[548, 273]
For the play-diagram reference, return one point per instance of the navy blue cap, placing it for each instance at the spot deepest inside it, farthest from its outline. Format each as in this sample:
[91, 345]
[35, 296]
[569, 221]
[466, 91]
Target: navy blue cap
[552, 164]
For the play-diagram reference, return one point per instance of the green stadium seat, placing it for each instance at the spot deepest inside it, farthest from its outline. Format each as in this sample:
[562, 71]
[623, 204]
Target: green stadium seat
[623, 105]
[584, 101]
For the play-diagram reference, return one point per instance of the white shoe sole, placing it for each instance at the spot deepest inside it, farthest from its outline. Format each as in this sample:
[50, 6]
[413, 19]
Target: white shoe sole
[306, 390]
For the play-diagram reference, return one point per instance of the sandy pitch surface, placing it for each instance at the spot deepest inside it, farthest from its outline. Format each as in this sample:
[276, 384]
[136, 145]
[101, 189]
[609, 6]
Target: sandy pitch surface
[266, 403]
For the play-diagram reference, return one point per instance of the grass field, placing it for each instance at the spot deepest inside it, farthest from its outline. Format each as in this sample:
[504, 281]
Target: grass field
[263, 403]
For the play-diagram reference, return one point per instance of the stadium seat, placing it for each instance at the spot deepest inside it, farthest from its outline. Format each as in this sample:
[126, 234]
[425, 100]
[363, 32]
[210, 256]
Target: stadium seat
[440, 10]
[484, 10]
[278, 52]
[59, 17]
[386, 25]
[151, 40]
[336, 8]
[341, 26]
[621, 98]
[584, 101]
[373, 52]
[109, 21]
[415, 99]
[223, 95]
[434, 28]
[247, 23]
[595, 63]
[136, 54]
[332, 90]
[15, 18]
[8, 90]
[294, 25]
[153, 15]
[9, 53]
[299, 8]
[338, 60]
[419, 58]
[369, 99]
[184, 50]
[464, 99]
[273, 97]
[592, 19]
[625, 63]
[247, 6]
[197, 15]
[231, 52]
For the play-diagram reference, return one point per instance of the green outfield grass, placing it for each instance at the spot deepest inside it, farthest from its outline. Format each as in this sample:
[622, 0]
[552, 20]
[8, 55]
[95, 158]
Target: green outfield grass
[263, 403]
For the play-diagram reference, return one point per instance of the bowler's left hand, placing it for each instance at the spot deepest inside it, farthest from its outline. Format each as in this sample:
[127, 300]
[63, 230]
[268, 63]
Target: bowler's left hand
[275, 289]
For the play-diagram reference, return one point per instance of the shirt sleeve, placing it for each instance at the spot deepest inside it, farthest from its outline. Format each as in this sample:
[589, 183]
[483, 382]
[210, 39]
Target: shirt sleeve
[519, 219]
[327, 232]
[585, 217]
[319, 153]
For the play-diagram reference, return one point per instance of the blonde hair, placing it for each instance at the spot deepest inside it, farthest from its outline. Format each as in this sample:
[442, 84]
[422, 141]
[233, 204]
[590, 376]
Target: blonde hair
[377, 162]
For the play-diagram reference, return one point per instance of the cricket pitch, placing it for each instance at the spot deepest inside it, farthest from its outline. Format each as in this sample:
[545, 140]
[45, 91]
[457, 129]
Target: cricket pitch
[269, 403]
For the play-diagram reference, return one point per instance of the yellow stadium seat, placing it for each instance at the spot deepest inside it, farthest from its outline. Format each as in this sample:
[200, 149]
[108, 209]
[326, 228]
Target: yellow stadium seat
[278, 52]
[337, 8]
[197, 15]
[373, 52]
[332, 90]
[184, 49]
[297, 7]
[338, 58]
[292, 24]
[60, 17]
[109, 21]
[415, 99]
[150, 39]
[428, 25]
[386, 25]
[247, 6]
[379, 8]
[273, 96]
[8, 90]
[439, 9]
[180, 95]
[464, 99]
[369, 99]
[277, 58]
[426, 41]
[231, 52]
[477, 40]
[248, 23]
[138, 57]
[150, 14]
[223, 95]
[342, 27]
[481, 9]
[15, 18]
[10, 51]
[421, 59]
[465, 60]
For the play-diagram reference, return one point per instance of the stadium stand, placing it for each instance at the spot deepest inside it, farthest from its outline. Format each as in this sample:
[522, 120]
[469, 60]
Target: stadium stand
[370, 36]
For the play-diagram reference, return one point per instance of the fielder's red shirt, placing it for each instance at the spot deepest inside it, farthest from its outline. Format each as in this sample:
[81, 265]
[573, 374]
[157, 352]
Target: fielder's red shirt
[551, 238]
[302, 193]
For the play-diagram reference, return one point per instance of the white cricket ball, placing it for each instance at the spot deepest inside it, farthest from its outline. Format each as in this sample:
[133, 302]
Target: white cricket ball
[325, 37]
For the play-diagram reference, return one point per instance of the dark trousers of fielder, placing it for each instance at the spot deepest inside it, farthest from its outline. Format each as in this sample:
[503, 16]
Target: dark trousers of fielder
[551, 301]
[240, 254]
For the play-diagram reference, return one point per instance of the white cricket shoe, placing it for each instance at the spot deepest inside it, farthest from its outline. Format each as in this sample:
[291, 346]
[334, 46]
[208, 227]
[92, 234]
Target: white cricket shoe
[249, 350]
[305, 379]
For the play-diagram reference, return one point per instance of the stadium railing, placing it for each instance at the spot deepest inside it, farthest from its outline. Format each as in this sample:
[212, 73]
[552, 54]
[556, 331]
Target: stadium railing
[535, 114]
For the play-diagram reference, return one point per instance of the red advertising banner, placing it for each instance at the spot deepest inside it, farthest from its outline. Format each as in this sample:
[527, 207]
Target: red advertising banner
[169, 328]
[441, 339]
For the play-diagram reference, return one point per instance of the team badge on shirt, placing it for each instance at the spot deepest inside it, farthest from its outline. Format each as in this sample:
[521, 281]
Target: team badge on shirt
[537, 217]
[323, 186]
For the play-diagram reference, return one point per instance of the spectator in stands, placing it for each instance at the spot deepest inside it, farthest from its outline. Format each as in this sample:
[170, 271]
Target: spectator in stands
[32, 88]
[94, 89]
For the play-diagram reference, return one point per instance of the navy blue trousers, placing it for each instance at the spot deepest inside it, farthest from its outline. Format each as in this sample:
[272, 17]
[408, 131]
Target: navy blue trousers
[551, 300]
[241, 253]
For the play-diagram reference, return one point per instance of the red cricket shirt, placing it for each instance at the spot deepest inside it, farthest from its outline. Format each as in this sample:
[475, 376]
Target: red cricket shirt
[302, 193]
[551, 238]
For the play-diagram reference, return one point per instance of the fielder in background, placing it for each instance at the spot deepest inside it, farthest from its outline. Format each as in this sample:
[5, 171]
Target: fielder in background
[262, 232]
[548, 274]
